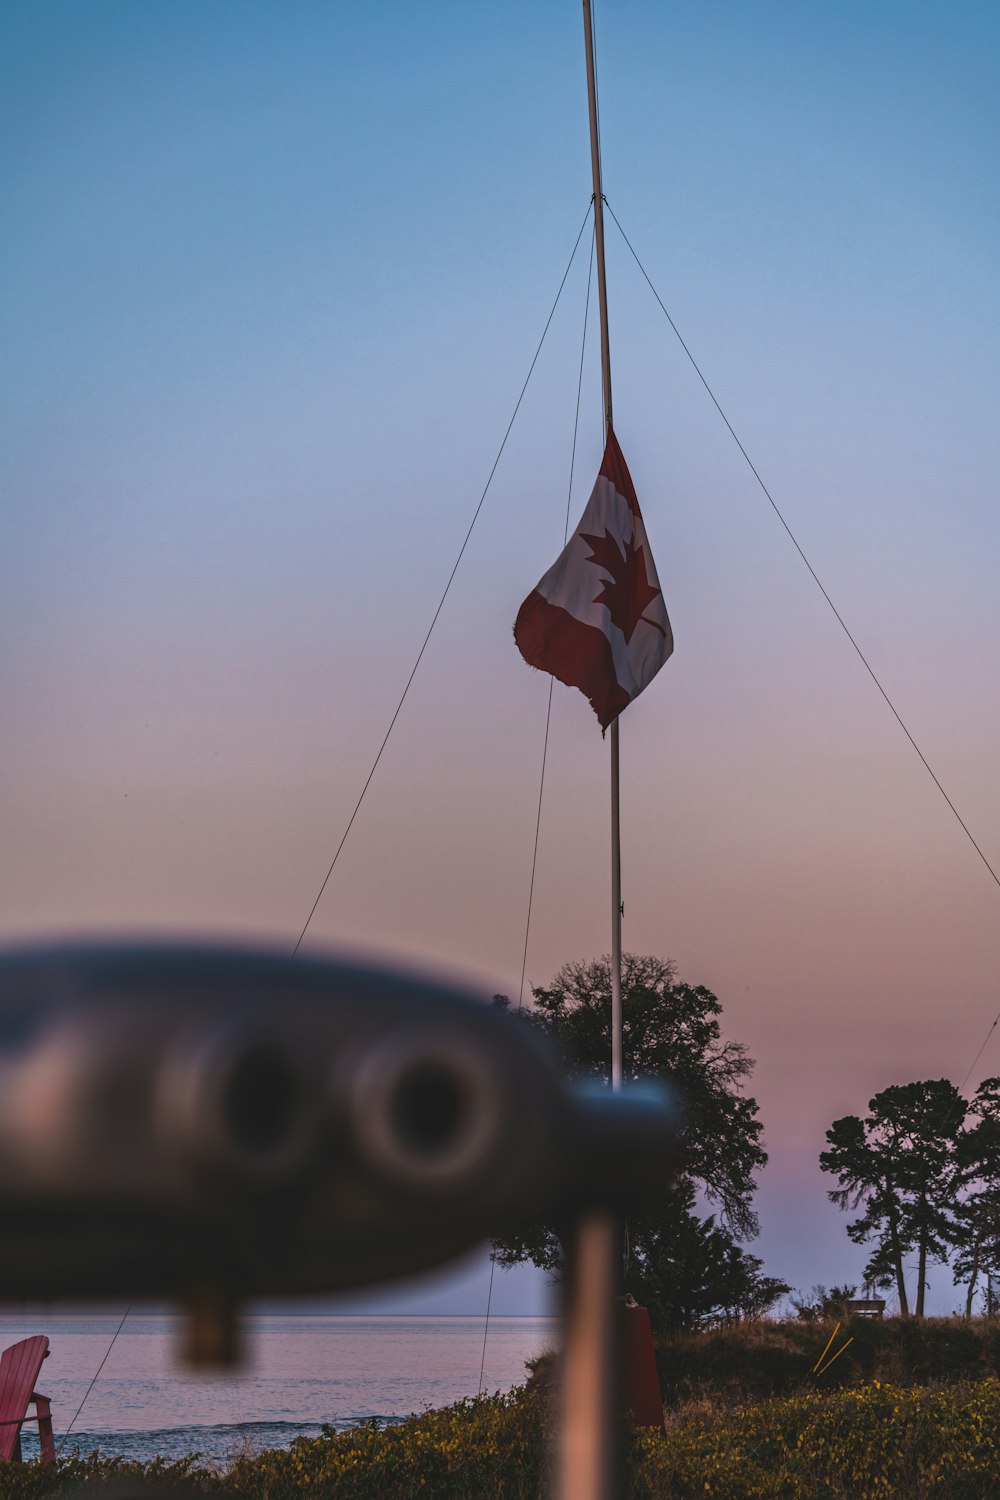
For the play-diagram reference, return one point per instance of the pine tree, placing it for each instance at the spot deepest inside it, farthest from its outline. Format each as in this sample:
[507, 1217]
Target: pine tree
[977, 1229]
[901, 1164]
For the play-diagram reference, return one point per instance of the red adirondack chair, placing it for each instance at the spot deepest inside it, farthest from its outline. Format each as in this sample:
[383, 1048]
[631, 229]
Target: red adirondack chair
[19, 1367]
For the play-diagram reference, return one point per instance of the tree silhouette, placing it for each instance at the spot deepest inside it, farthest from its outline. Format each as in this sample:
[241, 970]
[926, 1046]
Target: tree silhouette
[901, 1164]
[682, 1266]
[977, 1216]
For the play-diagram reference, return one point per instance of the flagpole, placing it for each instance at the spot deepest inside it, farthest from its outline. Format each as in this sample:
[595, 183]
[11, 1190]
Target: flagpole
[602, 297]
[588, 1466]
[595, 163]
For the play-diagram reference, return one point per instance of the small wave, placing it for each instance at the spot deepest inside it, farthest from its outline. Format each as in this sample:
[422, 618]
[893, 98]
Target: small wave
[217, 1444]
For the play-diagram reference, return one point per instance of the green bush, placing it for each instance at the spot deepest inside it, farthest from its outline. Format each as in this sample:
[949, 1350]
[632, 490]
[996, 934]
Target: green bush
[867, 1444]
[491, 1447]
[37, 1481]
[758, 1360]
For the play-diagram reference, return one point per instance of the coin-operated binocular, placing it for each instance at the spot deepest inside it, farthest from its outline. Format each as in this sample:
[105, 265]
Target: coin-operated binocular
[211, 1125]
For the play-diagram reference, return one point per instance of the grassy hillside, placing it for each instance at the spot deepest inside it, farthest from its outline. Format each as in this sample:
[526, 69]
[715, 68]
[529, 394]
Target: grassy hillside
[874, 1443]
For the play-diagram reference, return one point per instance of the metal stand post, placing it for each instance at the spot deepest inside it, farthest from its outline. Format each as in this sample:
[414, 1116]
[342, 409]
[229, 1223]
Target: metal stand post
[587, 1456]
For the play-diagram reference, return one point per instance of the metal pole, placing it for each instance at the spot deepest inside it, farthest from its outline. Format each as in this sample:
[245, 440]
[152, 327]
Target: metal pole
[587, 1466]
[588, 1456]
[602, 294]
[616, 923]
[595, 164]
[616, 919]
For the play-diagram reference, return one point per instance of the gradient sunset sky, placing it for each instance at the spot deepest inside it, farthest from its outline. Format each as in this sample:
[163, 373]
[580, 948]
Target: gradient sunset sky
[273, 276]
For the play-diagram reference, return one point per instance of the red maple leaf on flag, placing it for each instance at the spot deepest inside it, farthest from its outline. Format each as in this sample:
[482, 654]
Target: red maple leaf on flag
[628, 591]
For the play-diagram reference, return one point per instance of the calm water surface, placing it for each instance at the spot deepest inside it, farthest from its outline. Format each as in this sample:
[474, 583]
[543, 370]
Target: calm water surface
[301, 1372]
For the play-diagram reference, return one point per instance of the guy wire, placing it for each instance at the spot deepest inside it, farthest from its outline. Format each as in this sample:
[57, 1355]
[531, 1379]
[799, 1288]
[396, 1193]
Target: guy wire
[548, 711]
[815, 577]
[63, 1436]
[447, 589]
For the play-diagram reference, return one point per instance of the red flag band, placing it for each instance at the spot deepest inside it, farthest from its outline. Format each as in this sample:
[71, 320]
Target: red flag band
[597, 620]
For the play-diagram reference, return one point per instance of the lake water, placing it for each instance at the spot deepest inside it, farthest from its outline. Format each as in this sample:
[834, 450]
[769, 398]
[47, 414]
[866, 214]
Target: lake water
[301, 1372]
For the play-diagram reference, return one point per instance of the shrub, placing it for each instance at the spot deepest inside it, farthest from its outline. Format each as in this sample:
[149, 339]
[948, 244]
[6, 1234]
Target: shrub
[489, 1448]
[36, 1481]
[760, 1360]
[867, 1444]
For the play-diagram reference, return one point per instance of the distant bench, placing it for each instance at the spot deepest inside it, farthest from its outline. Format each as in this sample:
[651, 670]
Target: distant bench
[870, 1307]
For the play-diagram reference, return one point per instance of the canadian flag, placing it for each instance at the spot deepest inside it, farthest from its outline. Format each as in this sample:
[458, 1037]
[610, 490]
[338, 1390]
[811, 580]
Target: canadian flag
[597, 620]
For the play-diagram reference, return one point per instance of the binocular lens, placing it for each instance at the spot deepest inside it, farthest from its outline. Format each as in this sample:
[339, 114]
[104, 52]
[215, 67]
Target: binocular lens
[238, 1100]
[425, 1111]
[428, 1109]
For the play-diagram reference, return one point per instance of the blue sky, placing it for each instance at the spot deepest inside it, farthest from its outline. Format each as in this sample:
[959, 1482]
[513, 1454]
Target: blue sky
[273, 276]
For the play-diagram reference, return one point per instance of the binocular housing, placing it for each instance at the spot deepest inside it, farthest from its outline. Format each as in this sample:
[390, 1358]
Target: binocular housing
[179, 1120]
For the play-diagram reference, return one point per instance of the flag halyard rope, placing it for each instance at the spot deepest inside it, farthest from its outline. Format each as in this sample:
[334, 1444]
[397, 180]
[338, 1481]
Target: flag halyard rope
[545, 748]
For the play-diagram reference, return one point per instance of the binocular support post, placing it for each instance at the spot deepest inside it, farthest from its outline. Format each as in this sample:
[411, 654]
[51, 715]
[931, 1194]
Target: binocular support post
[589, 1433]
